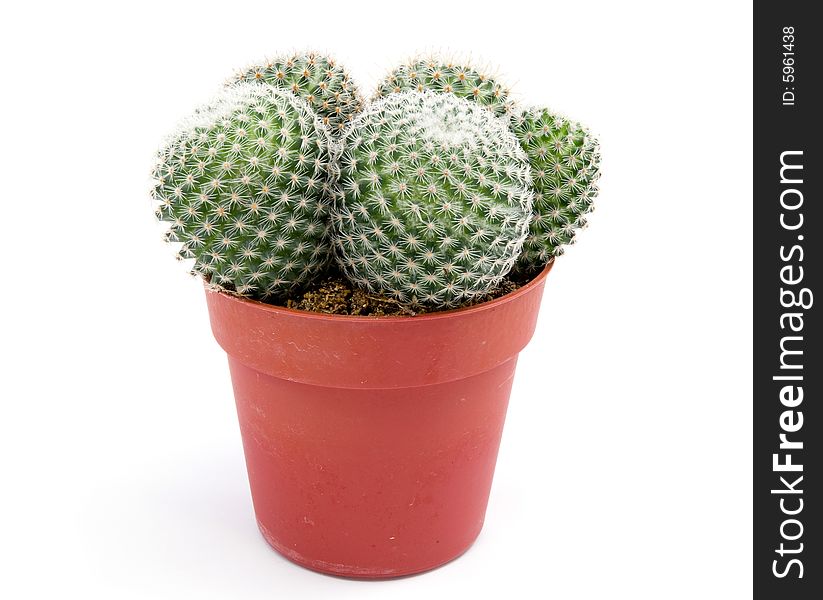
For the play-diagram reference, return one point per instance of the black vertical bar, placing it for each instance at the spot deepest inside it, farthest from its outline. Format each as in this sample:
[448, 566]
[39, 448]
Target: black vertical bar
[788, 362]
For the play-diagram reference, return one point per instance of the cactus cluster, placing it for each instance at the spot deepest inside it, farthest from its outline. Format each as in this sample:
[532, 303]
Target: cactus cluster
[430, 194]
[434, 199]
[244, 186]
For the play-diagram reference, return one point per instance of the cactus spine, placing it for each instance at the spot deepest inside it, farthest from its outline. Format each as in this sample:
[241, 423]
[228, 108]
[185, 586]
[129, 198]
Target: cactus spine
[444, 76]
[434, 199]
[565, 162]
[244, 186]
[318, 79]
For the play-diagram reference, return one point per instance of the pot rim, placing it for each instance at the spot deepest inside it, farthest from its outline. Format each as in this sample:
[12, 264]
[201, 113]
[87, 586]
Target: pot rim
[441, 314]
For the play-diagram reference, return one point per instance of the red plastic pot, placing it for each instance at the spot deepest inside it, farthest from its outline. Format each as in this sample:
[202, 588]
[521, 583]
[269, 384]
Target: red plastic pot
[371, 442]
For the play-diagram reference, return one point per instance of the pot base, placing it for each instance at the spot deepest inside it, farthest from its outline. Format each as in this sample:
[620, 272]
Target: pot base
[352, 572]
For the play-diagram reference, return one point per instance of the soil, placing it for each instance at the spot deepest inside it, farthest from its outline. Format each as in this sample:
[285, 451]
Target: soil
[333, 294]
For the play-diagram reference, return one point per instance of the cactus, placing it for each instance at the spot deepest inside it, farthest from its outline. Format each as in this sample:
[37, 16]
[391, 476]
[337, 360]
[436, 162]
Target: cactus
[245, 187]
[434, 200]
[446, 76]
[318, 79]
[565, 165]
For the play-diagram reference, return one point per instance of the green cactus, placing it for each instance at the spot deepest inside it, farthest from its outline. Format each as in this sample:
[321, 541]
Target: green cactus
[565, 165]
[318, 79]
[245, 187]
[446, 76]
[433, 201]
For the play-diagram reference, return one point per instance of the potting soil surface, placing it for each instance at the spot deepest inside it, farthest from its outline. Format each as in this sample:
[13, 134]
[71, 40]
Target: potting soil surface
[333, 294]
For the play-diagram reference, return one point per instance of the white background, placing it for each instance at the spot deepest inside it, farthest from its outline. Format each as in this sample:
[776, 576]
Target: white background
[625, 467]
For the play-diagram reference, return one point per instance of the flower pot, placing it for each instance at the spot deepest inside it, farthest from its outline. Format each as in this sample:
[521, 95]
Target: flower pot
[371, 442]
